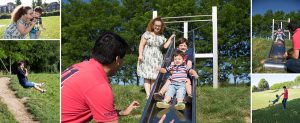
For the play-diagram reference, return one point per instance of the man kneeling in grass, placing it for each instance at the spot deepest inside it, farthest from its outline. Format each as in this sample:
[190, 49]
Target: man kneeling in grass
[22, 74]
[86, 92]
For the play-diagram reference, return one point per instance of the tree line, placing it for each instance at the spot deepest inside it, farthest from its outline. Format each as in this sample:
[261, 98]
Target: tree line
[39, 56]
[83, 22]
[264, 85]
[262, 23]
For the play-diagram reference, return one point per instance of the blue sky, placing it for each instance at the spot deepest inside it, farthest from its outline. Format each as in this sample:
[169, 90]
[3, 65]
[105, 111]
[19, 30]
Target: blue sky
[272, 78]
[260, 6]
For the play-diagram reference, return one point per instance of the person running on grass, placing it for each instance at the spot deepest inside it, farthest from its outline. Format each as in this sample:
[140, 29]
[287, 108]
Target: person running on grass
[285, 97]
[22, 74]
[178, 79]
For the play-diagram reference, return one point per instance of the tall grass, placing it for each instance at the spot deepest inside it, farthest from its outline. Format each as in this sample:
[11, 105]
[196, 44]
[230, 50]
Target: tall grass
[44, 106]
[228, 104]
[260, 51]
[263, 113]
[5, 115]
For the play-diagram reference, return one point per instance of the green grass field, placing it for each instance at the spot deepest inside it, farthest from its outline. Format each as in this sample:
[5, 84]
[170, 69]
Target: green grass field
[5, 115]
[230, 104]
[43, 106]
[51, 23]
[260, 51]
[263, 113]
[227, 104]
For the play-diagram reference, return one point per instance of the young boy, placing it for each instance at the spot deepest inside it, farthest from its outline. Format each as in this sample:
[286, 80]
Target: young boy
[35, 32]
[182, 45]
[276, 100]
[178, 80]
[279, 35]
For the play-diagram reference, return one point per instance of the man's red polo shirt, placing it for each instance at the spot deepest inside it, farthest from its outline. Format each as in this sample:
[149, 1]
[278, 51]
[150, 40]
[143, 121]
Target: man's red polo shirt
[86, 94]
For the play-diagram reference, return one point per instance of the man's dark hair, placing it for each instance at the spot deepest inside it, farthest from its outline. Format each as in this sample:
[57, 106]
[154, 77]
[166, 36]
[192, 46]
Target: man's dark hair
[108, 47]
[38, 9]
[284, 87]
[293, 25]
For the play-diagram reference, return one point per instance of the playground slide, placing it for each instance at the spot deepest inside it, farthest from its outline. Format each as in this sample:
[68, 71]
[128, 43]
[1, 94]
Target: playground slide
[276, 58]
[152, 114]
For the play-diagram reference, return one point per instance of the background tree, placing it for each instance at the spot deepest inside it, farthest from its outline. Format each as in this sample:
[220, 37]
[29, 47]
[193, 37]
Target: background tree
[254, 88]
[82, 25]
[262, 23]
[263, 84]
[42, 56]
[39, 3]
[33, 4]
[18, 2]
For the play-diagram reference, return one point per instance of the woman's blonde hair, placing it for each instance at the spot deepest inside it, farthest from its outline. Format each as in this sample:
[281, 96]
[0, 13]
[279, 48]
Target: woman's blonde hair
[150, 26]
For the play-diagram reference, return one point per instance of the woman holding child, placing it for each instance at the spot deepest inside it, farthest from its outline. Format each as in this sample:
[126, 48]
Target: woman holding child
[150, 56]
[21, 24]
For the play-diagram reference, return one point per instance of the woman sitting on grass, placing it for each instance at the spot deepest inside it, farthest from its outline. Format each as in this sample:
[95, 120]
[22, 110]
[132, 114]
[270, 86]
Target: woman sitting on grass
[22, 74]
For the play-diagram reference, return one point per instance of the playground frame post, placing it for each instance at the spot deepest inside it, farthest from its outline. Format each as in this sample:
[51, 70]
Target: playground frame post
[281, 21]
[214, 55]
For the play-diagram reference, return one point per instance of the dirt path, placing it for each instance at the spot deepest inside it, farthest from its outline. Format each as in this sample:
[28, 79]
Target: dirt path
[15, 105]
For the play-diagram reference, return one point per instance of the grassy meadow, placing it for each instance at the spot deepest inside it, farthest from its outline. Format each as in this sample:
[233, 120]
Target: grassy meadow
[263, 113]
[45, 107]
[260, 51]
[227, 104]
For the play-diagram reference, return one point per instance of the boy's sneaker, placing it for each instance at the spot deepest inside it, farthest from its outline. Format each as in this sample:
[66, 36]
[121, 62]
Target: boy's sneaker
[180, 106]
[188, 99]
[158, 97]
[162, 104]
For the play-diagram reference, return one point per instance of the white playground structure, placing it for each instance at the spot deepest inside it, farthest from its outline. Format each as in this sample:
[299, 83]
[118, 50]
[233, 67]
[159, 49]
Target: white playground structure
[214, 54]
[281, 21]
